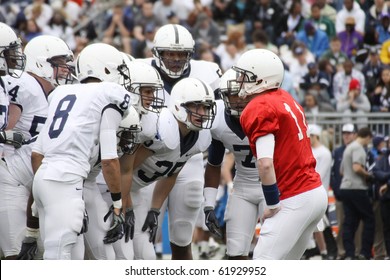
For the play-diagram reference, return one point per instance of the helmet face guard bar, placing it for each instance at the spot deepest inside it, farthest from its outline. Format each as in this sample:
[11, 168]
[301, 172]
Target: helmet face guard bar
[206, 119]
[129, 139]
[14, 58]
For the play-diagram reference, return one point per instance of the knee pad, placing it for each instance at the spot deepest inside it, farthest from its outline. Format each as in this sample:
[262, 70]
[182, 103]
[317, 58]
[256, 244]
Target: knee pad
[181, 233]
[237, 246]
[193, 194]
[61, 248]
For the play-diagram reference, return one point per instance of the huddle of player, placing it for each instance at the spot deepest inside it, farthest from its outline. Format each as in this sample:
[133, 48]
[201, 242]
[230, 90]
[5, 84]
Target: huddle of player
[96, 147]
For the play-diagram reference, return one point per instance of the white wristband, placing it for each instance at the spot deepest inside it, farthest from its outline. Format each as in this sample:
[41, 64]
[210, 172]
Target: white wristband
[32, 232]
[117, 204]
[210, 195]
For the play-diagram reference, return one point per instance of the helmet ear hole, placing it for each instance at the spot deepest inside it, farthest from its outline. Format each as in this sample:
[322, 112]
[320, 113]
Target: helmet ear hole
[107, 71]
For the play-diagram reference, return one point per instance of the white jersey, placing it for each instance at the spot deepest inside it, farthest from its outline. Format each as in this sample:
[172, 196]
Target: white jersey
[170, 151]
[27, 93]
[324, 164]
[3, 105]
[70, 136]
[19, 165]
[237, 143]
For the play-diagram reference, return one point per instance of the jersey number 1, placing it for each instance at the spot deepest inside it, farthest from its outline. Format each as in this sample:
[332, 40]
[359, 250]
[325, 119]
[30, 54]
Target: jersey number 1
[288, 109]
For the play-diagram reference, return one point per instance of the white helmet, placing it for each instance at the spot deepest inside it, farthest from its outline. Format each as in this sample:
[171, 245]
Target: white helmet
[104, 62]
[48, 57]
[228, 87]
[12, 59]
[128, 132]
[173, 38]
[260, 70]
[145, 78]
[187, 97]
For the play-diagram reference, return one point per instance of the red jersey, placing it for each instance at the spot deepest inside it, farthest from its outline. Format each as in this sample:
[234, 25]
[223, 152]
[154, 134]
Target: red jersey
[277, 113]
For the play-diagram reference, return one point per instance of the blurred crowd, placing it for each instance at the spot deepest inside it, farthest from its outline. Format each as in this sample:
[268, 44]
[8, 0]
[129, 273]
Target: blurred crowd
[324, 44]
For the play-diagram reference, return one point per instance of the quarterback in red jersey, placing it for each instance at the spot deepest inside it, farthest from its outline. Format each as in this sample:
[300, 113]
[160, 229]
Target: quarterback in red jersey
[277, 131]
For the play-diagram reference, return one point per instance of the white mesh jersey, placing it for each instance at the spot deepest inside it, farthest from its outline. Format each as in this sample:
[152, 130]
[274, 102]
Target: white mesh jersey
[19, 165]
[245, 162]
[3, 106]
[170, 151]
[27, 93]
[69, 138]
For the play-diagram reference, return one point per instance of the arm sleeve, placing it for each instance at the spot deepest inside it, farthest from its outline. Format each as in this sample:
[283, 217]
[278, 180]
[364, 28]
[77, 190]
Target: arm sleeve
[109, 124]
[216, 152]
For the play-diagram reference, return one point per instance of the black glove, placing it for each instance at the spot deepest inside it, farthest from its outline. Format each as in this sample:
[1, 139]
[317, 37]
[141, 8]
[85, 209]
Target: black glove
[29, 249]
[129, 224]
[116, 230]
[13, 138]
[212, 221]
[151, 222]
[84, 228]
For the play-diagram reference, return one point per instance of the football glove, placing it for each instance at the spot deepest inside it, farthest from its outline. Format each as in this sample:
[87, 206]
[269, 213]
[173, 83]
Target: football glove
[29, 245]
[115, 232]
[13, 138]
[129, 224]
[151, 222]
[212, 221]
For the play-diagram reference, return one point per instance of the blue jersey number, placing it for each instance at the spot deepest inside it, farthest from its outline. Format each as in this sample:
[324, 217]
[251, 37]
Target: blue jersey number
[169, 171]
[61, 115]
[248, 162]
[34, 125]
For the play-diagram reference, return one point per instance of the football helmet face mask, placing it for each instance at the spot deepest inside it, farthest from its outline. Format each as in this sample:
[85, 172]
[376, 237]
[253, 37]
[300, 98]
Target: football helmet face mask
[192, 103]
[259, 70]
[103, 62]
[173, 49]
[12, 59]
[50, 58]
[229, 89]
[128, 139]
[146, 87]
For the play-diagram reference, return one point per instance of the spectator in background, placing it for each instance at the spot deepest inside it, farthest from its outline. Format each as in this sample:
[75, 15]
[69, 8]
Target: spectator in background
[312, 106]
[372, 69]
[348, 135]
[381, 173]
[351, 40]
[196, 11]
[145, 23]
[118, 28]
[322, 22]
[143, 48]
[380, 98]
[265, 16]
[355, 102]
[240, 12]
[327, 10]
[382, 28]
[334, 54]
[298, 66]
[354, 191]
[373, 15]
[40, 12]
[317, 82]
[343, 78]
[260, 41]
[162, 8]
[315, 40]
[30, 31]
[230, 50]
[206, 30]
[59, 27]
[351, 9]
[290, 24]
